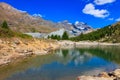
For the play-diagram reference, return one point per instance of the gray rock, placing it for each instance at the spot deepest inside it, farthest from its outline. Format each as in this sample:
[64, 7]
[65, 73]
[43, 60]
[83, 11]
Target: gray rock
[17, 42]
[13, 45]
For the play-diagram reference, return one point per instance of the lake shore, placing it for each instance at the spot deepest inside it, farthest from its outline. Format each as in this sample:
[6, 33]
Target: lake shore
[84, 44]
[15, 49]
[114, 75]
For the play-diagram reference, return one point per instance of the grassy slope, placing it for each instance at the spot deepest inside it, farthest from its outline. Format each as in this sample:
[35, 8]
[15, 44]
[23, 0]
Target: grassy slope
[7, 33]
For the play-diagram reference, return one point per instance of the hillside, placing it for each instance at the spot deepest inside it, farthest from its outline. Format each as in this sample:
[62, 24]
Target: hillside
[6, 32]
[110, 33]
[23, 22]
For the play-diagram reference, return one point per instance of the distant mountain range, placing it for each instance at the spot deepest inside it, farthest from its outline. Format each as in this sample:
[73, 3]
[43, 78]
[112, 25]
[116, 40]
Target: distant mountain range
[75, 29]
[23, 22]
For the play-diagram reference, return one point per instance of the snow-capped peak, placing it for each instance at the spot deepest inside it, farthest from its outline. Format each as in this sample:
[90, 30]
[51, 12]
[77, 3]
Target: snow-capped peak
[77, 22]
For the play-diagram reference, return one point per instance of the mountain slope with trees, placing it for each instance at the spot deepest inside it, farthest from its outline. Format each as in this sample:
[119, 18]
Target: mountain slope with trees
[110, 33]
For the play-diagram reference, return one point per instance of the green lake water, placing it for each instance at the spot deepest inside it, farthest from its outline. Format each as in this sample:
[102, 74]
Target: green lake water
[64, 64]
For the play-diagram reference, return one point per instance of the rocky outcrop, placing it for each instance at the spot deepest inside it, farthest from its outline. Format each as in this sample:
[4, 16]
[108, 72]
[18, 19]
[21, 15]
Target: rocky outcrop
[13, 49]
[114, 75]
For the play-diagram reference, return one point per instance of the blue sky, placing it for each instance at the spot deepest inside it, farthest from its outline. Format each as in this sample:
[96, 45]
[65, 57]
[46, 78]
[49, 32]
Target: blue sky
[97, 13]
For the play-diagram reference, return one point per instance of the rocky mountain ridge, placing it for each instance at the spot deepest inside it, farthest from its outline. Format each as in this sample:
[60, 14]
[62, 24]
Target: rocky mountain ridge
[21, 21]
[76, 28]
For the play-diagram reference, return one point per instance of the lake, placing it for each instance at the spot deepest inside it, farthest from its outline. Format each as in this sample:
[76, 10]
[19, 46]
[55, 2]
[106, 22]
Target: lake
[64, 64]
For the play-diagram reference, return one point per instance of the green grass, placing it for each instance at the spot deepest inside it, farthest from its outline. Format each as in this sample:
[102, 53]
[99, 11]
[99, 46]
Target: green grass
[8, 33]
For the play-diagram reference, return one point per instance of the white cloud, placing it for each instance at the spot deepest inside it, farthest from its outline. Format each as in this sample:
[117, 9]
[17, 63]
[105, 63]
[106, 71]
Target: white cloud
[118, 19]
[111, 19]
[102, 2]
[90, 9]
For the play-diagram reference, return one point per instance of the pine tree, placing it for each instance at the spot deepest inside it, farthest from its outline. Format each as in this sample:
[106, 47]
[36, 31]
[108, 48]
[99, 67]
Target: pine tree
[58, 37]
[48, 37]
[52, 36]
[5, 25]
[55, 37]
[65, 36]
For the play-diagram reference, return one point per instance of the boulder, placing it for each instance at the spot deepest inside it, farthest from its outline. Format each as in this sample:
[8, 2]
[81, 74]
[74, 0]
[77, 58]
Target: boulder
[116, 73]
[104, 74]
[93, 78]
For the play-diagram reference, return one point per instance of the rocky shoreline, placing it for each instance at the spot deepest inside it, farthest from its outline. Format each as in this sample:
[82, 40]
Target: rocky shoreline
[84, 44]
[114, 75]
[13, 49]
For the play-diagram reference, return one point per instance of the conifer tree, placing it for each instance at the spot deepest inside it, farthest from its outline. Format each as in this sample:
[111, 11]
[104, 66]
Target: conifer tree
[65, 36]
[5, 25]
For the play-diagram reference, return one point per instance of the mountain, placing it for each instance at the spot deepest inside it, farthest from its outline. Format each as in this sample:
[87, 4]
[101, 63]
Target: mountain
[21, 21]
[76, 28]
[110, 33]
[65, 24]
[81, 27]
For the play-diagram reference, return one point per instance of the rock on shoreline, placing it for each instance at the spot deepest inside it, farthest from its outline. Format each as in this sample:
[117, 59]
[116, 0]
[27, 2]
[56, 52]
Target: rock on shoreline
[114, 75]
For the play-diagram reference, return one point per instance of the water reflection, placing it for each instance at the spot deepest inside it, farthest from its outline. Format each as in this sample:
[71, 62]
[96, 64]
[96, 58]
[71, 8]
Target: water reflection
[74, 55]
[64, 64]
